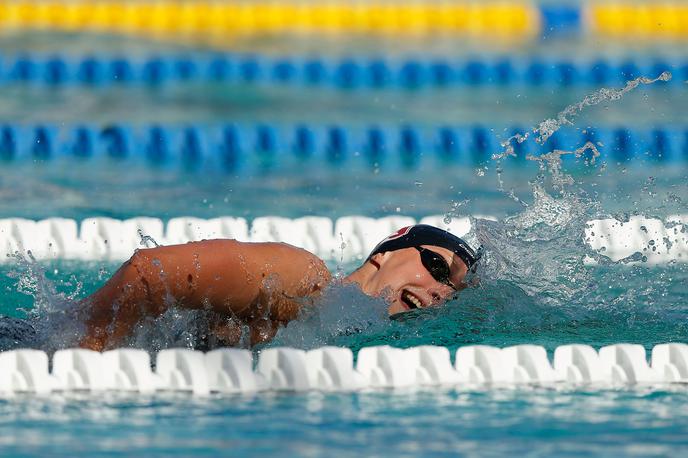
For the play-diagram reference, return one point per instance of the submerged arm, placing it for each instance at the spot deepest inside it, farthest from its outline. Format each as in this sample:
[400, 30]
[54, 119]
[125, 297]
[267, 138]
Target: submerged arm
[247, 281]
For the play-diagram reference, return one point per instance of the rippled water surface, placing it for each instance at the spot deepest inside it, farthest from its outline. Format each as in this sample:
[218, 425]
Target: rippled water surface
[534, 286]
[523, 422]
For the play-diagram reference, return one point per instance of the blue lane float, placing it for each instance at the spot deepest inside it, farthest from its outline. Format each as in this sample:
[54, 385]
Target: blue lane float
[232, 147]
[345, 74]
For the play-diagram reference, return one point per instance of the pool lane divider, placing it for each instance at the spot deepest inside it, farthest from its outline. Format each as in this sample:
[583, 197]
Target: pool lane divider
[664, 20]
[639, 240]
[332, 369]
[221, 21]
[318, 72]
[266, 147]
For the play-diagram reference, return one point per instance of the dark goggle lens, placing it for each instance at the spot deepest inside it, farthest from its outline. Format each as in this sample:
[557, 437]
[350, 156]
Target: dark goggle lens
[436, 265]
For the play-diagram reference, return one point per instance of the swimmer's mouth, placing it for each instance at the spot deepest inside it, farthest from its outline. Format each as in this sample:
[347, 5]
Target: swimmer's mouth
[411, 300]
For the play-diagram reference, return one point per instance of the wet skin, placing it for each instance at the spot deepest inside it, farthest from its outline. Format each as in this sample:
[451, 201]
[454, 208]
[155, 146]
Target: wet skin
[400, 277]
[259, 285]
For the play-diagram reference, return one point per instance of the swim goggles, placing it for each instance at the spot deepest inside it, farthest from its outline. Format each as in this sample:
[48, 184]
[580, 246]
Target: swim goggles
[436, 265]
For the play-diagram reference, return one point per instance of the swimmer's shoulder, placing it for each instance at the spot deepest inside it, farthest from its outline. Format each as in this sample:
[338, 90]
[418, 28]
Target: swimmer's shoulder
[298, 259]
[282, 256]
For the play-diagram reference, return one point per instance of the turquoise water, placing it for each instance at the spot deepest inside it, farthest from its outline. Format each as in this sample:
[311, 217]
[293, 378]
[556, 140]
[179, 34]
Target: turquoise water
[198, 103]
[561, 301]
[524, 422]
[79, 190]
[534, 287]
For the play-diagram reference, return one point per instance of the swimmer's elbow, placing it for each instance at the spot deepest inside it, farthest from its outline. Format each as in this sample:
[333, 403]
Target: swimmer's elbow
[317, 277]
[322, 273]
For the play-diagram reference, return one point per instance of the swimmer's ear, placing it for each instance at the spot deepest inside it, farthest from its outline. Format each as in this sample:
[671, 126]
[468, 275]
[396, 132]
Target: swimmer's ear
[378, 259]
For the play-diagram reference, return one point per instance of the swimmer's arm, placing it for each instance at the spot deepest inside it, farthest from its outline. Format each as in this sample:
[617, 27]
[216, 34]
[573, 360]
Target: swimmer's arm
[248, 281]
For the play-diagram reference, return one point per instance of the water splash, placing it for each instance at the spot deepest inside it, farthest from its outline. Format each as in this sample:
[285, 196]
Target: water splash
[455, 210]
[342, 313]
[146, 240]
[174, 328]
[55, 320]
[548, 127]
[551, 163]
[534, 285]
[534, 264]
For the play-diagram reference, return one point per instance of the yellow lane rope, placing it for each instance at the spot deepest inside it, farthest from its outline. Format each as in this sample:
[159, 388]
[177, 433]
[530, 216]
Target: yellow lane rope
[639, 20]
[222, 19]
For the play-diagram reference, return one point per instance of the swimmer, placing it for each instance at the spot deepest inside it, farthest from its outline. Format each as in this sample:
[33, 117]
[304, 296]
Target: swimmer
[264, 285]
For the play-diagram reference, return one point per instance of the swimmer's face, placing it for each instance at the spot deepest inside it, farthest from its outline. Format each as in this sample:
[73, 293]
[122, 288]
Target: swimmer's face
[406, 284]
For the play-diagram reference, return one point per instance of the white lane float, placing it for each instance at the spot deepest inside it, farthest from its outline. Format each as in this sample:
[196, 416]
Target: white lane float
[230, 370]
[181, 369]
[80, 370]
[578, 364]
[386, 367]
[432, 365]
[284, 369]
[25, 371]
[528, 364]
[626, 364]
[670, 361]
[348, 238]
[331, 369]
[129, 369]
[478, 364]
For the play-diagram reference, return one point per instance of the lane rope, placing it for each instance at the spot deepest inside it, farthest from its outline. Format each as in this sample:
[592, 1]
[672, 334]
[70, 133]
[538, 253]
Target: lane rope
[220, 22]
[264, 147]
[332, 369]
[55, 71]
[346, 239]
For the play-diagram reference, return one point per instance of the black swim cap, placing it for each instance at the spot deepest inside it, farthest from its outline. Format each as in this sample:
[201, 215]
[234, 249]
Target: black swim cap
[423, 234]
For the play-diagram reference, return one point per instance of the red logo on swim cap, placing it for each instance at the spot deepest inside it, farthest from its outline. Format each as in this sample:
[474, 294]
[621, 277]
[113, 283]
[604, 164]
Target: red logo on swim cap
[400, 233]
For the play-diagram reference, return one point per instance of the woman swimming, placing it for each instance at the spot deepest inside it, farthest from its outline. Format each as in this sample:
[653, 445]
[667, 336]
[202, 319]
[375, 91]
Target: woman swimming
[263, 285]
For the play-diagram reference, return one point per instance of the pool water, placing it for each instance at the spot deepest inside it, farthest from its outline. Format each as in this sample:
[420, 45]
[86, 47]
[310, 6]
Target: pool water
[536, 291]
[534, 287]
[497, 422]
